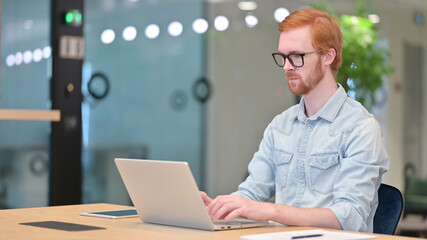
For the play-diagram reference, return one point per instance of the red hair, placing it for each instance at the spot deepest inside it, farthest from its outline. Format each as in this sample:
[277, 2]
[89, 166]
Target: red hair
[325, 31]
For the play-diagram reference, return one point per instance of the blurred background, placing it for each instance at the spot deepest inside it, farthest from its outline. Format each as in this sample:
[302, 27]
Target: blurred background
[193, 80]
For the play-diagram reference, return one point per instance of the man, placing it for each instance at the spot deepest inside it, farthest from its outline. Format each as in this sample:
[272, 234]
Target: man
[322, 159]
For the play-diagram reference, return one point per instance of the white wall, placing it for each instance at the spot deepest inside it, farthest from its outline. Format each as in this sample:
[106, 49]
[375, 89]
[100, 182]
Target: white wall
[397, 24]
[248, 91]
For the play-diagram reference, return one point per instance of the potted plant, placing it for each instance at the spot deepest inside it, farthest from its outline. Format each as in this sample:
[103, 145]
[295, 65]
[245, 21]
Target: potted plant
[365, 61]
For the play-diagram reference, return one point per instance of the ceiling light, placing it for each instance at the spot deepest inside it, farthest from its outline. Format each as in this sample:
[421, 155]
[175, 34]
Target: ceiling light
[37, 55]
[175, 29]
[251, 21]
[280, 14]
[10, 60]
[28, 56]
[221, 23]
[374, 18]
[152, 31]
[18, 58]
[247, 5]
[108, 36]
[200, 25]
[47, 51]
[28, 24]
[129, 33]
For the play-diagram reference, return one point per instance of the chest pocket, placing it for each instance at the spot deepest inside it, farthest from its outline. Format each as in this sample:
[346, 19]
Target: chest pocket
[282, 160]
[324, 170]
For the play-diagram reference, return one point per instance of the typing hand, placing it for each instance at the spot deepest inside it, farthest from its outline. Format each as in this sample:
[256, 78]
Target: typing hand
[206, 199]
[232, 206]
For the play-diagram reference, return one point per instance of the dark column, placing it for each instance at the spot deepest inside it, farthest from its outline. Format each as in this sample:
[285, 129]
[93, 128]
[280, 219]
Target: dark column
[65, 183]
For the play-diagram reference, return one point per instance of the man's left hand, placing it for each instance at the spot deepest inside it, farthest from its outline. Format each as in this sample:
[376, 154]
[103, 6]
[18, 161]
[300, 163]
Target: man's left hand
[231, 206]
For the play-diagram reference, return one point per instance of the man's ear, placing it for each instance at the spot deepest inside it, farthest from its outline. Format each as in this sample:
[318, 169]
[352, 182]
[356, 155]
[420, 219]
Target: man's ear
[330, 56]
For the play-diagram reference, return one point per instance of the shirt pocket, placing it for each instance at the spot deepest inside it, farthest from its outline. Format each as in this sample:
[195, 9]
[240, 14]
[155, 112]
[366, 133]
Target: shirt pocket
[283, 161]
[324, 170]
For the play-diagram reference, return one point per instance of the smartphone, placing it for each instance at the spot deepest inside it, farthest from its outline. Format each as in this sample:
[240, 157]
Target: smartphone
[112, 214]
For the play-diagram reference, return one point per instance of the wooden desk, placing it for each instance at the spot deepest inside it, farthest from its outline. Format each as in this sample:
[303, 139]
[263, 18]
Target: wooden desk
[127, 228]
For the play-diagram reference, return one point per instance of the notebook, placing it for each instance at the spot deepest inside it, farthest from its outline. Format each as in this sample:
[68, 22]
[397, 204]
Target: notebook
[165, 192]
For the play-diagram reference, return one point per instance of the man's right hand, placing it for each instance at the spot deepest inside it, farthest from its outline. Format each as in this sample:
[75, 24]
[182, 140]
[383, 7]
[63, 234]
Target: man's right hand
[206, 198]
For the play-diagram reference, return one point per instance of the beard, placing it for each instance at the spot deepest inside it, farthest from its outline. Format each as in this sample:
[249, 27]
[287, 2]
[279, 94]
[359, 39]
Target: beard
[300, 87]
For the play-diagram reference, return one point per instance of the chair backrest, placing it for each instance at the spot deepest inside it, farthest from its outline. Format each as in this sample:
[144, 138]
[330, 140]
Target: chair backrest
[389, 209]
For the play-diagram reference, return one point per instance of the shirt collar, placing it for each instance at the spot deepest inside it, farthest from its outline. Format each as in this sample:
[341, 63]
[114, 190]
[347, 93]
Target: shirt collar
[329, 111]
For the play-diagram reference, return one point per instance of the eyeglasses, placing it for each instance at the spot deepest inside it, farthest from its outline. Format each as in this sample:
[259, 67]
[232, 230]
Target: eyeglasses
[296, 59]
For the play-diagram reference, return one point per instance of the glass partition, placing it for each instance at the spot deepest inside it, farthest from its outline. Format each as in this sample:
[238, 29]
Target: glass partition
[25, 74]
[142, 67]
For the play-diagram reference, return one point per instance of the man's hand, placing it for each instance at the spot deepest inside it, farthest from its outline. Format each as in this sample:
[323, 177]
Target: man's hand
[231, 206]
[206, 198]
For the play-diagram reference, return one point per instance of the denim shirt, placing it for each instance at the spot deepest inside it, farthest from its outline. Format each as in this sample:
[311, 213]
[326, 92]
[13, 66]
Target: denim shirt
[334, 159]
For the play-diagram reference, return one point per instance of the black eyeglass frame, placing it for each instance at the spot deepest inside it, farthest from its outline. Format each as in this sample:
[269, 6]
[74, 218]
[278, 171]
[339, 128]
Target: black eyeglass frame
[284, 56]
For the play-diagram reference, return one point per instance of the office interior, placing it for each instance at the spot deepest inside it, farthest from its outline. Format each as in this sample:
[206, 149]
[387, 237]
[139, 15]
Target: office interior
[185, 80]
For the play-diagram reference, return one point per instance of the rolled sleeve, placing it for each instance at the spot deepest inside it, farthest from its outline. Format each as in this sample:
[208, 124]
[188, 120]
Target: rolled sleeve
[349, 218]
[363, 164]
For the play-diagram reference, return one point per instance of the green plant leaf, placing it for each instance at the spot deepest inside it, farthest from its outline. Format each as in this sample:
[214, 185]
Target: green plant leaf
[364, 60]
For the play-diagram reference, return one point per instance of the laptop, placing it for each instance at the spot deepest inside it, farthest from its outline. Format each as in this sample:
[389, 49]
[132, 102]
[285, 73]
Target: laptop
[165, 192]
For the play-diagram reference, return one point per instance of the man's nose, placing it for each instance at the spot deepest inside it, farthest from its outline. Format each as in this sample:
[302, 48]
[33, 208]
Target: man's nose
[287, 66]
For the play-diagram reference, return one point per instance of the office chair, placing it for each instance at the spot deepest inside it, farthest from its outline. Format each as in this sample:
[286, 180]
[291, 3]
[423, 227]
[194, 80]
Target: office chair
[389, 209]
